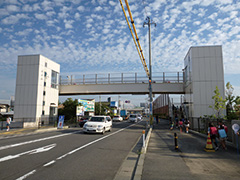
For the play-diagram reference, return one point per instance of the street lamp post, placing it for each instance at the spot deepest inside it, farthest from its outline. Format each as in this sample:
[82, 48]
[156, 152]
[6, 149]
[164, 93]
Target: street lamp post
[150, 66]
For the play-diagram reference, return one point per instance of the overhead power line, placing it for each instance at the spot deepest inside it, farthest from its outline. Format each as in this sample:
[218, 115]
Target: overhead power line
[137, 44]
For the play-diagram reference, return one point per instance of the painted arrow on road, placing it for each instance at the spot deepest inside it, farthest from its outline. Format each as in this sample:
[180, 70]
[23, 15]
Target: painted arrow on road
[34, 151]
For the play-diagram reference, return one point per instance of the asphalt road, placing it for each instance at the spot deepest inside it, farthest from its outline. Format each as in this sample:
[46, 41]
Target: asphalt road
[68, 154]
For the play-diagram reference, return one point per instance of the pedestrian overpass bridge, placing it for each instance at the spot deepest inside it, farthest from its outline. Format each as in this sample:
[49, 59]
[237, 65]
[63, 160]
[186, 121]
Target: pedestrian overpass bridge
[122, 83]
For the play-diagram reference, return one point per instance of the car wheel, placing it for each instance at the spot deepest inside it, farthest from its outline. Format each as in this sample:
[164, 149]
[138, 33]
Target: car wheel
[103, 131]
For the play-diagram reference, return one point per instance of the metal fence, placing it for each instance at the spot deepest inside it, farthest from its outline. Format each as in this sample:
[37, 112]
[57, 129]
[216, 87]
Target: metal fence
[114, 78]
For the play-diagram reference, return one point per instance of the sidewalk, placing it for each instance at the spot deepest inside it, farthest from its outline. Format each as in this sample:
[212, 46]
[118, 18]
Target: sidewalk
[162, 161]
[22, 131]
[190, 161]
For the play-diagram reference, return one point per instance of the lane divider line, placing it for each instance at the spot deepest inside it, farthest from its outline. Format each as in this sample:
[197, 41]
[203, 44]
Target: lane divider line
[26, 175]
[36, 140]
[75, 150]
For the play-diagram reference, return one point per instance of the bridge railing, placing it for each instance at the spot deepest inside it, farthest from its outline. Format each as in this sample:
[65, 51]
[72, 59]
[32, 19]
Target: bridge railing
[117, 78]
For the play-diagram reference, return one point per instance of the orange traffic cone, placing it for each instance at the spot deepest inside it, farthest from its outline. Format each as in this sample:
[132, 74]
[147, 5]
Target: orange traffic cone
[209, 146]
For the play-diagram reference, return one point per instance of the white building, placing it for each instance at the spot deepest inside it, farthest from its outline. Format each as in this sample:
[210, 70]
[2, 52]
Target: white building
[203, 72]
[36, 94]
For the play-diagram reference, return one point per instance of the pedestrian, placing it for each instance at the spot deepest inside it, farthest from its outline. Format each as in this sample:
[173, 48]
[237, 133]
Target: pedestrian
[8, 123]
[157, 119]
[187, 124]
[181, 125]
[171, 125]
[176, 120]
[213, 134]
[222, 134]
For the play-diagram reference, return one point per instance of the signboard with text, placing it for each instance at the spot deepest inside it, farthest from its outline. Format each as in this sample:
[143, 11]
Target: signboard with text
[80, 111]
[88, 105]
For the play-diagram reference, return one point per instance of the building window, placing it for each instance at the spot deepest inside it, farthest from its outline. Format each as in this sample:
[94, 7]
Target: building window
[45, 74]
[45, 64]
[43, 112]
[54, 79]
[43, 103]
[45, 83]
[44, 93]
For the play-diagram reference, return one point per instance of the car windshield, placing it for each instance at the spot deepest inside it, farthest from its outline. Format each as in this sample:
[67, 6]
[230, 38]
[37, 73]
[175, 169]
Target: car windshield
[133, 116]
[97, 119]
[116, 116]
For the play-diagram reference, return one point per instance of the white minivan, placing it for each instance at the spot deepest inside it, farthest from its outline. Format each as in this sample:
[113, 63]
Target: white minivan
[98, 124]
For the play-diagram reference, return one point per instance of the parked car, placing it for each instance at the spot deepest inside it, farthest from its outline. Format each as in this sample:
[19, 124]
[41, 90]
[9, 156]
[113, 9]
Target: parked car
[117, 118]
[98, 124]
[83, 120]
[133, 118]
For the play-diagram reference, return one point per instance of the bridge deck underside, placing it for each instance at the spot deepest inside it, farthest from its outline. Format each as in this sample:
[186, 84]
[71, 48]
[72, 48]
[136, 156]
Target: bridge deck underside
[125, 88]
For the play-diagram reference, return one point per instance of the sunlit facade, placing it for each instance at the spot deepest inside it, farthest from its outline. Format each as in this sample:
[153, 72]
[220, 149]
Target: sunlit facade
[36, 95]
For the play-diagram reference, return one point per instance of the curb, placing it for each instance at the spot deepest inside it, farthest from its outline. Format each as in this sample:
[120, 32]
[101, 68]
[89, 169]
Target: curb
[139, 169]
[51, 129]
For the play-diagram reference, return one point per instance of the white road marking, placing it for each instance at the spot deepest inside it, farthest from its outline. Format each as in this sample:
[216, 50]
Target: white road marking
[75, 150]
[26, 175]
[34, 151]
[48, 164]
[36, 140]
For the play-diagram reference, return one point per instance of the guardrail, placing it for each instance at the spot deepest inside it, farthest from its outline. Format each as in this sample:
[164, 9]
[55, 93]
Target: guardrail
[117, 78]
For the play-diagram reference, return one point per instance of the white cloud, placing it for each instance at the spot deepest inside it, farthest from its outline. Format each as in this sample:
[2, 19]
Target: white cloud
[13, 19]
[27, 8]
[99, 8]
[157, 4]
[47, 5]
[68, 24]
[197, 23]
[77, 16]
[41, 16]
[12, 8]
[24, 32]
[112, 3]
[206, 2]
[81, 8]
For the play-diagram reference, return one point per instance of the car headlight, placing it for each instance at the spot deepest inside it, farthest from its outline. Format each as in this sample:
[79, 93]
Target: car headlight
[85, 125]
[100, 126]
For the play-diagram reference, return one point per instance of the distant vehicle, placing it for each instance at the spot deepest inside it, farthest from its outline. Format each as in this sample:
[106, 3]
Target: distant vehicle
[133, 118]
[117, 118]
[98, 124]
[139, 116]
[83, 120]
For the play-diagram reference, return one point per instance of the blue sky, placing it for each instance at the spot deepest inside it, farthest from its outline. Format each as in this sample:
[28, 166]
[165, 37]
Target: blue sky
[90, 36]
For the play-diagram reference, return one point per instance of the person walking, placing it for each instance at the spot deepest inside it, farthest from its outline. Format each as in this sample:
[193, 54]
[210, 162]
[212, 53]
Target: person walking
[187, 124]
[8, 123]
[222, 134]
[181, 125]
[213, 134]
[176, 120]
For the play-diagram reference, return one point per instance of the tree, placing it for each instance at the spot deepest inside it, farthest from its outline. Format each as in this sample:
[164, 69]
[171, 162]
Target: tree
[230, 99]
[219, 103]
[237, 106]
[69, 109]
[105, 109]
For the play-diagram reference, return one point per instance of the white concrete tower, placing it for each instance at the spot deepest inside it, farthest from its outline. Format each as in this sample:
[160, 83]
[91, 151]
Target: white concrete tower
[203, 72]
[36, 94]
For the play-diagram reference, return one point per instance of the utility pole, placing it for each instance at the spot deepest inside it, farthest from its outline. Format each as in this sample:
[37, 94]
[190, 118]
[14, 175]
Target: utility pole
[100, 105]
[150, 65]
